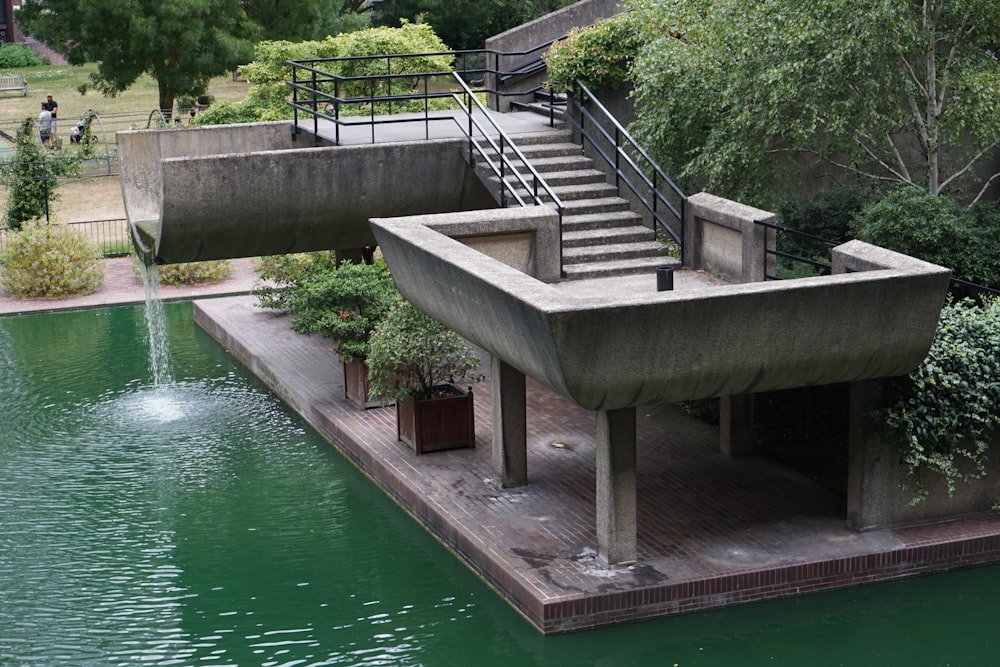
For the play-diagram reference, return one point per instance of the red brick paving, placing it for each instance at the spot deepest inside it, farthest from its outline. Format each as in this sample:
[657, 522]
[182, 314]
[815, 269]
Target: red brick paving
[712, 532]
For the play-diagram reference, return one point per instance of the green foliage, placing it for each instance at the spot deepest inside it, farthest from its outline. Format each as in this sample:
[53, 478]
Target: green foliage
[50, 260]
[915, 223]
[600, 56]
[728, 92]
[345, 304]
[13, 56]
[283, 276]
[269, 71]
[32, 174]
[828, 215]
[466, 24]
[945, 412]
[305, 19]
[193, 273]
[410, 353]
[181, 43]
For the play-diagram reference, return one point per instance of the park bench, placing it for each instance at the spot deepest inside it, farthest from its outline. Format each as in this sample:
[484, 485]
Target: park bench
[11, 83]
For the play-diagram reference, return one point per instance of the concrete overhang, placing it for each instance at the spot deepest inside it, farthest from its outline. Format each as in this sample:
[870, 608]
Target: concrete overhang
[607, 349]
[247, 190]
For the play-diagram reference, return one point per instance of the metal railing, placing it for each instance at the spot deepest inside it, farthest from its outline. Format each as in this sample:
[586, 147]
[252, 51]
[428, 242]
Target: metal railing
[785, 262]
[326, 95]
[647, 184]
[337, 89]
[112, 235]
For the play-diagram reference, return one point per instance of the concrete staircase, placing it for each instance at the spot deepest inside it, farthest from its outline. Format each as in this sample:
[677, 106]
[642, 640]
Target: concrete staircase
[602, 236]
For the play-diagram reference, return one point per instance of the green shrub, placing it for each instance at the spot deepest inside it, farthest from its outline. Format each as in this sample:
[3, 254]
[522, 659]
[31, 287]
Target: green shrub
[600, 56]
[411, 352]
[345, 304]
[50, 260]
[192, 273]
[913, 222]
[944, 413]
[13, 56]
[282, 275]
[983, 261]
[32, 174]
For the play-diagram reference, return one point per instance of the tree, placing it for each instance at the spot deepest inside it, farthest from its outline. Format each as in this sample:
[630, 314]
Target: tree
[180, 43]
[902, 91]
[465, 24]
[298, 20]
[32, 176]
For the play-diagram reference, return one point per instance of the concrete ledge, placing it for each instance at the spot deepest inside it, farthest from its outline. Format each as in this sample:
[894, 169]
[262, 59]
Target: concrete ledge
[607, 350]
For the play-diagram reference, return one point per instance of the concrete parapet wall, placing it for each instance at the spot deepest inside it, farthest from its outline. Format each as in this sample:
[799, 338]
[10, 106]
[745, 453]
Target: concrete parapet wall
[280, 199]
[722, 236]
[608, 350]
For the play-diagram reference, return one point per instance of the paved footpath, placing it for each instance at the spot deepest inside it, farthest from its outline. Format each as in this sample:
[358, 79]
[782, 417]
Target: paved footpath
[711, 531]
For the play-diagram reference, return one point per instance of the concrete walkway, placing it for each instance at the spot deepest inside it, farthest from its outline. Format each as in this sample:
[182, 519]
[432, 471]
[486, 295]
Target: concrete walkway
[712, 532]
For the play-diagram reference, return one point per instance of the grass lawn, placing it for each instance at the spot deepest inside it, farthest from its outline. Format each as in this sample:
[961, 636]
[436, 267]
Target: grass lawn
[97, 195]
[65, 81]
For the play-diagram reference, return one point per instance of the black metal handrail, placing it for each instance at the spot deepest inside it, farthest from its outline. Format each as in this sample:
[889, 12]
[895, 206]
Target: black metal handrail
[500, 155]
[655, 189]
[956, 286]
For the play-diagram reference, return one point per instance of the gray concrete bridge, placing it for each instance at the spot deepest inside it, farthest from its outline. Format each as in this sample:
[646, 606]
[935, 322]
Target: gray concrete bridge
[493, 275]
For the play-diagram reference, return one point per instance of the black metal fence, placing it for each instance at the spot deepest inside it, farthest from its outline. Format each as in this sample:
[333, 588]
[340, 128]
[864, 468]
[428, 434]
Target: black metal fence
[111, 235]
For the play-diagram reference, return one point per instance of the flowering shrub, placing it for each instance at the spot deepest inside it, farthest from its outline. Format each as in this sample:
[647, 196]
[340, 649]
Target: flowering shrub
[190, 273]
[50, 260]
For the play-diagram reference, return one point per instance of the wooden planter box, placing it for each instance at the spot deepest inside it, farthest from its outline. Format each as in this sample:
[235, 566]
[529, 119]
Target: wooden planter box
[434, 424]
[357, 389]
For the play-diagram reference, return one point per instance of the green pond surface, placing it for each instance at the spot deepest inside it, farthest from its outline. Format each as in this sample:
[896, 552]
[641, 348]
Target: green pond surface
[201, 522]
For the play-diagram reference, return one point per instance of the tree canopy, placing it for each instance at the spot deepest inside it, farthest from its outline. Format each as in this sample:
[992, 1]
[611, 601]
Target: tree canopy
[180, 43]
[464, 24]
[901, 91]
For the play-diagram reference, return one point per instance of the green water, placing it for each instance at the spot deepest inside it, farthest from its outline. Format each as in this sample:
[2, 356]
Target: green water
[200, 522]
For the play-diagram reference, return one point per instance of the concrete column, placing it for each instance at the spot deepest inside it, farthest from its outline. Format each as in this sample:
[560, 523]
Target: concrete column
[868, 502]
[616, 494]
[736, 426]
[510, 432]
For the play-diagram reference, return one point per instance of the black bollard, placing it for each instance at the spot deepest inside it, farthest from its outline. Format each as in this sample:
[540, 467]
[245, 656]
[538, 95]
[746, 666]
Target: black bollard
[664, 278]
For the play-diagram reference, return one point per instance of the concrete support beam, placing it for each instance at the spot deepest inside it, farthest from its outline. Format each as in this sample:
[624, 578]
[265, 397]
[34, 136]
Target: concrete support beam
[867, 501]
[616, 487]
[736, 426]
[510, 433]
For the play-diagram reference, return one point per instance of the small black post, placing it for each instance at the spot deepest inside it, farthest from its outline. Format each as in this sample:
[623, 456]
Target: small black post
[664, 278]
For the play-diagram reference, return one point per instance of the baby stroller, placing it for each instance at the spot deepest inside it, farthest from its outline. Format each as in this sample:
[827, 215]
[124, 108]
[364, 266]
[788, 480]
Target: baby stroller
[79, 131]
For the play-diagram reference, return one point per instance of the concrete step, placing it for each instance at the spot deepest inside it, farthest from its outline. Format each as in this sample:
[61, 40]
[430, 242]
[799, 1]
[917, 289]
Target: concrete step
[595, 206]
[611, 219]
[606, 236]
[626, 267]
[557, 111]
[558, 178]
[586, 191]
[609, 252]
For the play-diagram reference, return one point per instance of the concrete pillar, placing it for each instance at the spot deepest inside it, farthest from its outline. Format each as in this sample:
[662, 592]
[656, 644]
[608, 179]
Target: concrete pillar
[868, 503]
[510, 432]
[616, 499]
[736, 426]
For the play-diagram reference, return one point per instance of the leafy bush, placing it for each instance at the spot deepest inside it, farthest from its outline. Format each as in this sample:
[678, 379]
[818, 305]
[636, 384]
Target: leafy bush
[944, 413]
[281, 276]
[269, 71]
[345, 304]
[192, 273]
[13, 56]
[410, 352]
[911, 221]
[50, 260]
[600, 56]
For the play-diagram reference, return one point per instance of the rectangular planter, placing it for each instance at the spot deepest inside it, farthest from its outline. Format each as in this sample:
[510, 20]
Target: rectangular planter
[357, 389]
[438, 423]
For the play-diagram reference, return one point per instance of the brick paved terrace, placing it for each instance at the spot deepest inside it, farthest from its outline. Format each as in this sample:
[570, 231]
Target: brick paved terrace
[711, 531]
